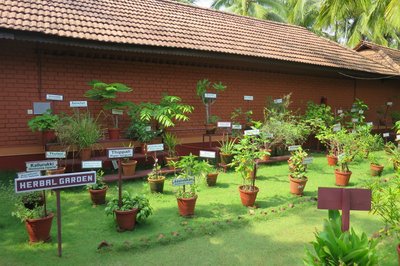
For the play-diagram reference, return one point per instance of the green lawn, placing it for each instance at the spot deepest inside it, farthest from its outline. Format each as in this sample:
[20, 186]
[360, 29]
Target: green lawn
[222, 232]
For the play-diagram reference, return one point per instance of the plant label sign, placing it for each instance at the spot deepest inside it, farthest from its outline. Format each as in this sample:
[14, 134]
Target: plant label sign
[278, 101]
[148, 128]
[294, 147]
[92, 164]
[308, 160]
[237, 127]
[337, 127]
[389, 103]
[54, 97]
[370, 124]
[207, 154]
[248, 98]
[354, 120]
[340, 111]
[210, 95]
[183, 181]
[341, 156]
[224, 124]
[115, 153]
[397, 137]
[361, 112]
[353, 110]
[117, 112]
[251, 132]
[28, 174]
[155, 147]
[76, 104]
[41, 165]
[55, 181]
[386, 135]
[56, 154]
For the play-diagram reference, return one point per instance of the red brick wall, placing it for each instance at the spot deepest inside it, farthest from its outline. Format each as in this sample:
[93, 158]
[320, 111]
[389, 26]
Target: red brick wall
[68, 75]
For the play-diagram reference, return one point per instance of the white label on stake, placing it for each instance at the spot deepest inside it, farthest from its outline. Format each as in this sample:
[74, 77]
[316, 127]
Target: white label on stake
[92, 164]
[341, 156]
[251, 132]
[248, 98]
[224, 124]
[337, 127]
[361, 112]
[339, 111]
[148, 128]
[236, 126]
[207, 154]
[115, 153]
[182, 181]
[386, 135]
[117, 112]
[308, 160]
[370, 124]
[41, 165]
[397, 137]
[294, 147]
[54, 97]
[115, 164]
[389, 103]
[29, 174]
[354, 120]
[75, 104]
[353, 110]
[278, 101]
[155, 147]
[55, 154]
[210, 95]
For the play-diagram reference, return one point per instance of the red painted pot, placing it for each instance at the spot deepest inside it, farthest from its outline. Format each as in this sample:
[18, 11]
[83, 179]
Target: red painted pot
[86, 154]
[98, 196]
[342, 178]
[376, 170]
[114, 133]
[332, 160]
[212, 179]
[186, 206]
[156, 185]
[297, 185]
[39, 229]
[129, 168]
[126, 220]
[248, 197]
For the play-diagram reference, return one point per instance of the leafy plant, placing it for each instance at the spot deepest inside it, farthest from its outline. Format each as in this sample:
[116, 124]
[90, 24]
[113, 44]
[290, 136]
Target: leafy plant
[100, 184]
[298, 168]
[318, 115]
[357, 113]
[141, 202]
[204, 86]
[23, 213]
[170, 141]
[227, 146]
[213, 119]
[334, 247]
[347, 146]
[139, 130]
[45, 121]
[395, 115]
[326, 135]
[397, 127]
[156, 171]
[374, 159]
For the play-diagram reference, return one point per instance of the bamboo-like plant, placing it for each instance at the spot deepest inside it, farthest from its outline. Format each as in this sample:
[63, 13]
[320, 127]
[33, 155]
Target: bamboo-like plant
[204, 86]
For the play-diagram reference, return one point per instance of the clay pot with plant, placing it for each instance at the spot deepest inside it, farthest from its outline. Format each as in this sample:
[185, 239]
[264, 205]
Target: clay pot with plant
[394, 154]
[98, 190]
[155, 179]
[45, 123]
[133, 209]
[203, 91]
[376, 166]
[226, 149]
[212, 176]
[298, 169]
[143, 132]
[326, 136]
[128, 165]
[244, 160]
[266, 141]
[170, 142]
[107, 94]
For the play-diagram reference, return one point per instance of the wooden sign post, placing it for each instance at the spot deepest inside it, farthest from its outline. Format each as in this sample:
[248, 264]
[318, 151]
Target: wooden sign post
[345, 200]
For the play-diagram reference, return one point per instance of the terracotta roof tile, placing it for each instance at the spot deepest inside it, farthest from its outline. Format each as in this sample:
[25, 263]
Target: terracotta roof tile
[169, 24]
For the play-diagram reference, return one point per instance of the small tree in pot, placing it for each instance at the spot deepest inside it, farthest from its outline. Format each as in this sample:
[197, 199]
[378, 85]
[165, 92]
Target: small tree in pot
[45, 123]
[298, 169]
[326, 136]
[155, 179]
[98, 190]
[171, 141]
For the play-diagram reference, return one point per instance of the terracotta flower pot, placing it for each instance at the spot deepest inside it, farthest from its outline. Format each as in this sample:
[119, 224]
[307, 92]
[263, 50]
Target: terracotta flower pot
[265, 157]
[171, 159]
[186, 206]
[126, 220]
[210, 128]
[58, 171]
[297, 185]
[376, 170]
[342, 178]
[332, 160]
[156, 185]
[129, 168]
[39, 229]
[248, 197]
[212, 179]
[48, 136]
[86, 154]
[114, 133]
[98, 196]
[226, 158]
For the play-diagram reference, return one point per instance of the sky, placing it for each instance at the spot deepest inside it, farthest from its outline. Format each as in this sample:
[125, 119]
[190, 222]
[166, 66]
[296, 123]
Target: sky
[204, 3]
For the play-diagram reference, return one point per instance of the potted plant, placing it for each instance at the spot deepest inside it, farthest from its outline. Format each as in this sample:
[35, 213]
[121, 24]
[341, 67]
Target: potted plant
[245, 153]
[266, 141]
[155, 179]
[203, 87]
[394, 154]
[45, 123]
[375, 165]
[171, 141]
[37, 221]
[133, 208]
[128, 165]
[32, 199]
[107, 94]
[248, 118]
[226, 149]
[142, 132]
[186, 195]
[98, 190]
[212, 175]
[298, 169]
[326, 136]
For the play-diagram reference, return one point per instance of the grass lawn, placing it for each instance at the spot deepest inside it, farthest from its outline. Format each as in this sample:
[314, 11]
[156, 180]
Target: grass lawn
[222, 233]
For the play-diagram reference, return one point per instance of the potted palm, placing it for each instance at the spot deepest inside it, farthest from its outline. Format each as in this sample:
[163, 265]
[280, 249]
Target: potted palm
[171, 141]
[45, 123]
[298, 169]
[203, 89]
[133, 208]
[98, 190]
[226, 149]
[245, 153]
[155, 179]
[107, 94]
[37, 220]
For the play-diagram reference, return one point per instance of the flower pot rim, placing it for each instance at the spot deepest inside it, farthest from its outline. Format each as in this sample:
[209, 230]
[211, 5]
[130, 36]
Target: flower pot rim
[127, 211]
[130, 162]
[338, 171]
[49, 216]
[378, 165]
[184, 199]
[256, 189]
[298, 179]
[162, 178]
[105, 188]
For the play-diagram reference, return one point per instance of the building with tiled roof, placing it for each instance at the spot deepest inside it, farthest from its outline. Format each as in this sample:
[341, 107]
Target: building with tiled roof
[156, 46]
[383, 55]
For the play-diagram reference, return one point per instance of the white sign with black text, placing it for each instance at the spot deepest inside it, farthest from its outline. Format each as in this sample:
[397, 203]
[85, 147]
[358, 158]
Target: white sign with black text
[210, 95]
[155, 147]
[92, 164]
[207, 154]
[114, 153]
[75, 104]
[29, 174]
[236, 126]
[294, 147]
[41, 165]
[54, 97]
[56, 154]
[251, 132]
[248, 98]
[224, 124]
